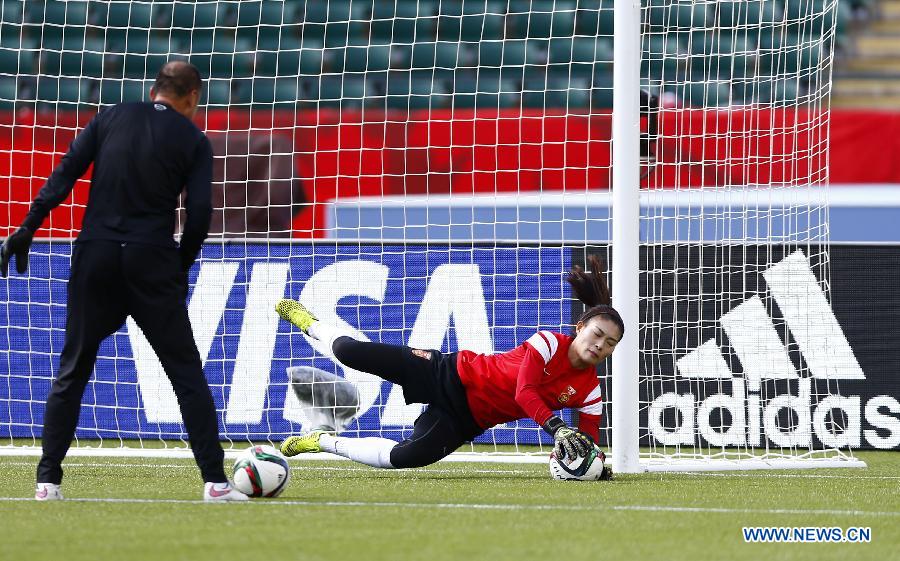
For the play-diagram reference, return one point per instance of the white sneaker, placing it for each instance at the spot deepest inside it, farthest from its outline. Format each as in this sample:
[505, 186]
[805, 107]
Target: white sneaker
[220, 492]
[47, 492]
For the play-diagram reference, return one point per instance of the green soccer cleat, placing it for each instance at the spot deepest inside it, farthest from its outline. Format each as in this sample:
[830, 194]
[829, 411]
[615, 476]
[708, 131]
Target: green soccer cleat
[296, 313]
[305, 443]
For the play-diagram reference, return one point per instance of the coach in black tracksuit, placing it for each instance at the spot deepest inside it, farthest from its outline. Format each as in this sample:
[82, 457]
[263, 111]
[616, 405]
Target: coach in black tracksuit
[125, 261]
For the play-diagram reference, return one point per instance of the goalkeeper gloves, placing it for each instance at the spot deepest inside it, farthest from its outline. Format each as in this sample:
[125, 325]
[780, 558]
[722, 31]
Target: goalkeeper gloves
[568, 442]
[17, 244]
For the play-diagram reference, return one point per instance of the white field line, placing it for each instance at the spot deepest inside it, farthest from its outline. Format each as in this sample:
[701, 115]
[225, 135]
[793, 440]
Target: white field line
[754, 474]
[763, 474]
[502, 507]
[185, 453]
[307, 467]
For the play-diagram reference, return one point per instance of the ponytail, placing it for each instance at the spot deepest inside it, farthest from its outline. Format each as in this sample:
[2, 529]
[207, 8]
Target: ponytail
[593, 291]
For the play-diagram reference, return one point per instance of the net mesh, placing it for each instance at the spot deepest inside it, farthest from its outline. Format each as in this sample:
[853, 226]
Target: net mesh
[424, 173]
[734, 268]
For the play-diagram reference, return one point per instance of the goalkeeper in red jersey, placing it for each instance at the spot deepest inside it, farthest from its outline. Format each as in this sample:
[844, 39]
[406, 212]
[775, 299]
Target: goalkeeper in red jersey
[467, 393]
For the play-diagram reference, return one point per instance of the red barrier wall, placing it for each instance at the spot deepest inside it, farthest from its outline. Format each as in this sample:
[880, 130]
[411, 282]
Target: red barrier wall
[353, 154]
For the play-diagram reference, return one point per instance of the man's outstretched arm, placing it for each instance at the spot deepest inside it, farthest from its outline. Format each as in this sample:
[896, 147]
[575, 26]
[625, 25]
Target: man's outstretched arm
[73, 165]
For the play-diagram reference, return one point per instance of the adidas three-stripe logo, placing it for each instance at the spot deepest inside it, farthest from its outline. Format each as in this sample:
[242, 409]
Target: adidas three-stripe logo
[757, 344]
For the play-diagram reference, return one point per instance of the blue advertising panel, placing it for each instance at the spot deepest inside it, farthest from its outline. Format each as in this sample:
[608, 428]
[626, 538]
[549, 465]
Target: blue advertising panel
[487, 298]
[490, 297]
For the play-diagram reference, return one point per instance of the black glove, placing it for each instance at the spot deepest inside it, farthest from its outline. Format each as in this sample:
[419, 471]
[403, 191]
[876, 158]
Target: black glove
[17, 244]
[568, 442]
[607, 473]
[187, 260]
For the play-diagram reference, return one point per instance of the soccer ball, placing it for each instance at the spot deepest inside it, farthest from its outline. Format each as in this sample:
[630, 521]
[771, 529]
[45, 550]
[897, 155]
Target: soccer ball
[587, 468]
[260, 471]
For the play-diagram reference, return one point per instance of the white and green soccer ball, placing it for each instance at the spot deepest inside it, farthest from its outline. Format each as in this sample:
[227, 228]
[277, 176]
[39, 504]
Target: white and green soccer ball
[261, 471]
[583, 468]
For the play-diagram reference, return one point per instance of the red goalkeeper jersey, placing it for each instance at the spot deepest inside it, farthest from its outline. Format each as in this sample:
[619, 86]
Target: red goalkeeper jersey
[532, 380]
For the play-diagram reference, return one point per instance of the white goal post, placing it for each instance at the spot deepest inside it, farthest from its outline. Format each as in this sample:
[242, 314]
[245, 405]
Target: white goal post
[626, 186]
[699, 389]
[425, 172]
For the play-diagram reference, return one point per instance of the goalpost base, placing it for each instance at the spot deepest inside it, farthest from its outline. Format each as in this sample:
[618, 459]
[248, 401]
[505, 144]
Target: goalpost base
[674, 465]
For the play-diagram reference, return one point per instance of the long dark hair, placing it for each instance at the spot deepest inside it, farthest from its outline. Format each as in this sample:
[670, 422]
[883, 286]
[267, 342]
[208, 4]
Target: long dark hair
[594, 293]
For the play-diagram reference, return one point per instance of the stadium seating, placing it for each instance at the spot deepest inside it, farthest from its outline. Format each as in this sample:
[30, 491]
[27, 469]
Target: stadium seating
[269, 49]
[8, 92]
[402, 22]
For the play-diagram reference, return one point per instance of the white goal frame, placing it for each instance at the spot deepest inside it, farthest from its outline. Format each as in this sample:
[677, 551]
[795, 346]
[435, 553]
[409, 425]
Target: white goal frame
[626, 204]
[626, 453]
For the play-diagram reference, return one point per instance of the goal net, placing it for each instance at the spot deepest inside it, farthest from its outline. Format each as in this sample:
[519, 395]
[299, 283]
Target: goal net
[740, 356]
[424, 173]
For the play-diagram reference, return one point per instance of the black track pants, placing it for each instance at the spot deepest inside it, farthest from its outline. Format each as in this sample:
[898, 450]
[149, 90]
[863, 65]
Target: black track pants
[108, 282]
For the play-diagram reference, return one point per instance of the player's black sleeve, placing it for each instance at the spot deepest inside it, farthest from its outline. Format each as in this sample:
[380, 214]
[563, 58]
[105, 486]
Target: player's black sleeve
[74, 164]
[197, 203]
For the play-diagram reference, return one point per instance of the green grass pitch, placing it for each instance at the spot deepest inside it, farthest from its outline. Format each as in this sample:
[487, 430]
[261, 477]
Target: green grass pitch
[133, 509]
